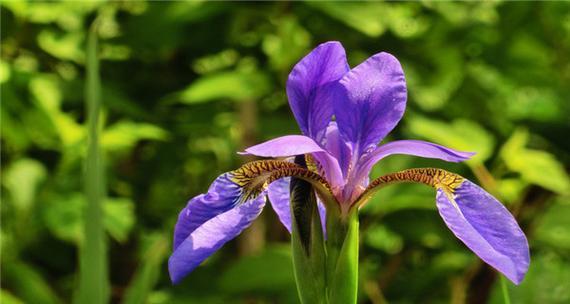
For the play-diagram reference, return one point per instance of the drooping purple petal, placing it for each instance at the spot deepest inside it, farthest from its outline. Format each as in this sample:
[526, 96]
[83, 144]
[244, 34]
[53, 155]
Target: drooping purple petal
[278, 193]
[308, 87]
[370, 101]
[410, 147]
[221, 197]
[487, 228]
[211, 236]
[291, 145]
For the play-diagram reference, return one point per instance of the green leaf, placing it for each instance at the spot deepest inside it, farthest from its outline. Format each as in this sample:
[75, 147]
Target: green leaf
[461, 134]
[232, 85]
[244, 276]
[5, 71]
[307, 241]
[94, 287]
[153, 254]
[435, 87]
[26, 283]
[123, 135]
[8, 298]
[63, 217]
[342, 257]
[546, 282]
[511, 188]
[48, 95]
[64, 46]
[366, 17]
[552, 228]
[382, 238]
[288, 45]
[118, 217]
[22, 179]
[400, 197]
[535, 166]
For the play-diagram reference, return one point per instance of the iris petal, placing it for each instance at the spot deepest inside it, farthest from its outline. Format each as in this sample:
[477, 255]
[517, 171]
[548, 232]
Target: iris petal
[291, 145]
[370, 101]
[410, 147]
[486, 227]
[473, 215]
[308, 87]
[221, 197]
[211, 236]
[336, 146]
[233, 201]
[278, 193]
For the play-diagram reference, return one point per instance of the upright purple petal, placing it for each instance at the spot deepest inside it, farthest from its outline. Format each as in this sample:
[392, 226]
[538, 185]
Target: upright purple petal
[211, 236]
[308, 87]
[278, 193]
[487, 228]
[291, 145]
[336, 146]
[410, 147]
[370, 101]
[220, 198]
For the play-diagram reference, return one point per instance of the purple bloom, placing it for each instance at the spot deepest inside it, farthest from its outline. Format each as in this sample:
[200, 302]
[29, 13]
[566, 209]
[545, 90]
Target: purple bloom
[344, 113]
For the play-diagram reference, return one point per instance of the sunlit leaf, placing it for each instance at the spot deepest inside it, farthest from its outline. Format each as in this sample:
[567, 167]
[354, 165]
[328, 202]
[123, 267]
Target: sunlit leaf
[216, 62]
[366, 17]
[63, 46]
[511, 188]
[8, 298]
[233, 85]
[4, 71]
[64, 218]
[22, 179]
[380, 237]
[118, 217]
[123, 135]
[288, 45]
[461, 134]
[47, 93]
[535, 166]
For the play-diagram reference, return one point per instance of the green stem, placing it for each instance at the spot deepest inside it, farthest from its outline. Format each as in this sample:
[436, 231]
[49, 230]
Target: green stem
[93, 273]
[504, 288]
[342, 257]
[307, 242]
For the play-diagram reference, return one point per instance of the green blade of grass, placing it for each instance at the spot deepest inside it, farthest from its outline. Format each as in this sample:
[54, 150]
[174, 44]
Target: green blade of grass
[148, 272]
[505, 290]
[93, 282]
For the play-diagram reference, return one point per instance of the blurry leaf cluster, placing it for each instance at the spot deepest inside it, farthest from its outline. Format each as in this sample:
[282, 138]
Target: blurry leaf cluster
[187, 84]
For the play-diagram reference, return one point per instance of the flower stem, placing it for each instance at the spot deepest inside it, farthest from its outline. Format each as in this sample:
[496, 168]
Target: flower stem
[506, 297]
[342, 257]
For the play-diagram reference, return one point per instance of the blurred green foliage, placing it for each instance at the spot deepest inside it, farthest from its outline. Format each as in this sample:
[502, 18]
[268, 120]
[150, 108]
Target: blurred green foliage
[187, 84]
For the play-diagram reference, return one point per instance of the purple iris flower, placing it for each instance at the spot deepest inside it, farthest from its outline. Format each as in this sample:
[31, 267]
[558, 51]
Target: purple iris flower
[343, 114]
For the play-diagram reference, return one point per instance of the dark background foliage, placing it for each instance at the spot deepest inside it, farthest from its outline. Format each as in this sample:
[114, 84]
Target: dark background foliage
[186, 85]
